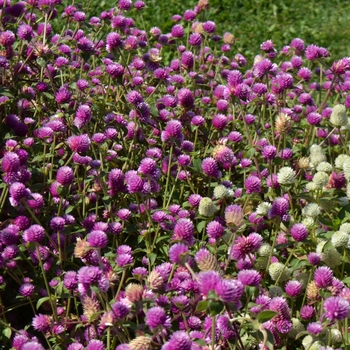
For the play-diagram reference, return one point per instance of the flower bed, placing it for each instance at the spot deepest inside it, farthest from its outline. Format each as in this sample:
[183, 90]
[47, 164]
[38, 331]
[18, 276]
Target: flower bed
[161, 192]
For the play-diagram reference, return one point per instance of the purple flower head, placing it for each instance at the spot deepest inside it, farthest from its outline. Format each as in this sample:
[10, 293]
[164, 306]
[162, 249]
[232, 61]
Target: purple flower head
[80, 143]
[41, 323]
[18, 191]
[211, 168]
[70, 280]
[208, 281]
[219, 121]
[65, 176]
[215, 230]
[177, 31]
[249, 277]
[314, 258]
[253, 184]
[246, 245]
[34, 233]
[83, 116]
[234, 215]
[280, 207]
[195, 39]
[314, 118]
[134, 182]
[179, 340]
[304, 73]
[269, 152]
[184, 230]
[323, 277]
[89, 274]
[306, 312]
[178, 253]
[63, 95]
[97, 239]
[336, 308]
[25, 32]
[95, 344]
[299, 232]
[314, 328]
[10, 162]
[26, 289]
[229, 290]
[185, 98]
[293, 288]
[156, 317]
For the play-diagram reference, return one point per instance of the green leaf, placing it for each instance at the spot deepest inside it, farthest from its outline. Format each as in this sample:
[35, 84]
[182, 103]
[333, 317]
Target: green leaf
[41, 301]
[41, 62]
[202, 306]
[69, 209]
[266, 315]
[215, 307]
[152, 258]
[346, 281]
[7, 332]
[200, 226]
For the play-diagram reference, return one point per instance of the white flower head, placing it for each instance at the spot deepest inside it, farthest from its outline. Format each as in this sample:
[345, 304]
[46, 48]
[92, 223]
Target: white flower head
[320, 179]
[286, 176]
[348, 190]
[308, 222]
[324, 166]
[311, 186]
[339, 161]
[339, 239]
[263, 208]
[345, 227]
[311, 210]
[338, 116]
[317, 155]
[220, 192]
[346, 168]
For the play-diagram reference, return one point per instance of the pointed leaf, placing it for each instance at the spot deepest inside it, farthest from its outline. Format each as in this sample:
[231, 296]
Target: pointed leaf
[266, 315]
[202, 306]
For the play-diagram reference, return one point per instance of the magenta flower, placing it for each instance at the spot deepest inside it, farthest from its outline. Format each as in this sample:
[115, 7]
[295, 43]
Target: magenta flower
[208, 281]
[336, 308]
[229, 291]
[246, 245]
[293, 288]
[215, 230]
[178, 253]
[10, 162]
[34, 233]
[211, 168]
[97, 239]
[306, 312]
[82, 116]
[156, 317]
[65, 176]
[299, 232]
[179, 340]
[80, 143]
[184, 230]
[249, 277]
[323, 277]
[253, 184]
[26, 289]
[41, 322]
[185, 98]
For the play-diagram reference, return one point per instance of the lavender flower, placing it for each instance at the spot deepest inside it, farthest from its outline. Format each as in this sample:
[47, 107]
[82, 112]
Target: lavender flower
[336, 308]
[156, 317]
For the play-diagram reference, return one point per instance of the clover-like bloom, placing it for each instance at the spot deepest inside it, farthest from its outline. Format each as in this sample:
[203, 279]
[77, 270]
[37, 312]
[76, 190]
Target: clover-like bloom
[338, 116]
[65, 175]
[286, 176]
[80, 143]
[336, 308]
[156, 317]
[178, 253]
[299, 232]
[323, 277]
[178, 340]
[183, 230]
[229, 291]
[41, 322]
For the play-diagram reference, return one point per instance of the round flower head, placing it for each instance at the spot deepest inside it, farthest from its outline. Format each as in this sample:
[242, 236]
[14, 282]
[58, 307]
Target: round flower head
[83, 116]
[229, 290]
[234, 215]
[280, 207]
[339, 239]
[80, 143]
[178, 340]
[10, 162]
[156, 317]
[312, 210]
[34, 233]
[299, 232]
[317, 155]
[314, 258]
[215, 230]
[41, 322]
[253, 184]
[279, 272]
[286, 176]
[338, 116]
[183, 230]
[178, 253]
[323, 277]
[336, 308]
[249, 277]
[65, 176]
[293, 288]
[18, 191]
[320, 179]
[185, 98]
[97, 239]
[206, 207]
[221, 191]
[206, 261]
[210, 167]
[208, 281]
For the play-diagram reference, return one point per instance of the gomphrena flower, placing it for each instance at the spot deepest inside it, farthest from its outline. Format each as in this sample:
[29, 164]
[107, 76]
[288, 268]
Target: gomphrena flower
[279, 272]
[211, 168]
[299, 232]
[215, 230]
[185, 98]
[80, 143]
[338, 116]
[206, 261]
[253, 184]
[293, 288]
[156, 317]
[82, 116]
[286, 176]
[184, 230]
[208, 281]
[34, 233]
[178, 253]
[10, 162]
[245, 245]
[206, 207]
[97, 239]
[178, 340]
[65, 176]
[323, 277]
[249, 277]
[229, 290]
[336, 308]
[234, 215]
[41, 323]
